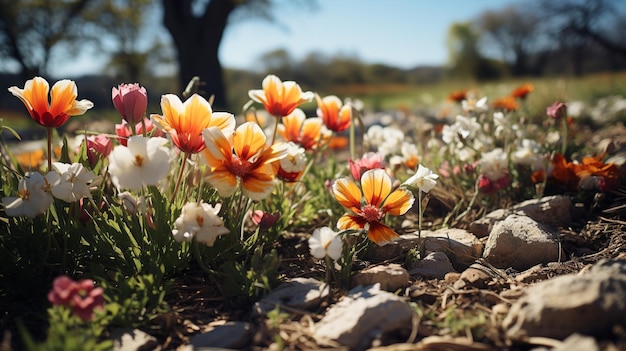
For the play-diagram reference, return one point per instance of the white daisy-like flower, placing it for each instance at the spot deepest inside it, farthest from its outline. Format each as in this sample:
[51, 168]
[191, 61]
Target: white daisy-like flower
[325, 242]
[494, 164]
[528, 154]
[144, 161]
[200, 222]
[70, 182]
[33, 197]
[424, 179]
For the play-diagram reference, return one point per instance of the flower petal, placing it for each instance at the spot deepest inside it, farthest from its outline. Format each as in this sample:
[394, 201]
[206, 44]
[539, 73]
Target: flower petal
[381, 234]
[348, 194]
[349, 221]
[376, 186]
[398, 202]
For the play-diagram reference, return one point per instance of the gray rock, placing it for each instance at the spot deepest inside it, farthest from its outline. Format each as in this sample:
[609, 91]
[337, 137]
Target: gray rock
[391, 277]
[231, 335]
[520, 242]
[590, 303]
[461, 246]
[361, 316]
[550, 210]
[434, 265]
[299, 293]
[132, 339]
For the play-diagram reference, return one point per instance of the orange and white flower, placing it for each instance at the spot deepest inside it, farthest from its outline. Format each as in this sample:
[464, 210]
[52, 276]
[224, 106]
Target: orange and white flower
[291, 167]
[186, 121]
[62, 104]
[280, 98]
[336, 116]
[306, 132]
[245, 159]
[379, 200]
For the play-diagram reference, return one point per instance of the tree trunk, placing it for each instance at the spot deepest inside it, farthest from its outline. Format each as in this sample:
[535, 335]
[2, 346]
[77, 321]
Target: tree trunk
[197, 40]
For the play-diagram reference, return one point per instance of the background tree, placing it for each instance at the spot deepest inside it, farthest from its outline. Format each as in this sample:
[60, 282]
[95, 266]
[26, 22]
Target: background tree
[465, 58]
[30, 31]
[197, 28]
[515, 31]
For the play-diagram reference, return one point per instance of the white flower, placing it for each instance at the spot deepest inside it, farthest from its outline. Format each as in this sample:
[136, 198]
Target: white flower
[471, 105]
[494, 164]
[33, 197]
[295, 161]
[145, 161]
[325, 242]
[528, 154]
[199, 221]
[70, 183]
[424, 179]
[462, 128]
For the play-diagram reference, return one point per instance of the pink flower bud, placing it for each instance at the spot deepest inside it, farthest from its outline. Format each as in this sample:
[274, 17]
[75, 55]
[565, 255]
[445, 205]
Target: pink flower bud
[131, 101]
[123, 132]
[98, 147]
[557, 110]
[263, 219]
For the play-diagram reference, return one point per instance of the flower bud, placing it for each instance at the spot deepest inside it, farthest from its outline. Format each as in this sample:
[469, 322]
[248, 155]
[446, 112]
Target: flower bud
[131, 101]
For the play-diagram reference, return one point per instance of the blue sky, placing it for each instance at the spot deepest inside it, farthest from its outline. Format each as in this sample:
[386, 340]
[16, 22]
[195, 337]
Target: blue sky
[401, 33]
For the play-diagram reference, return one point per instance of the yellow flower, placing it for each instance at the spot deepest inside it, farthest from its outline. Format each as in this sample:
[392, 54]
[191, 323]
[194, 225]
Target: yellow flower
[186, 121]
[62, 105]
[245, 158]
[380, 200]
[280, 98]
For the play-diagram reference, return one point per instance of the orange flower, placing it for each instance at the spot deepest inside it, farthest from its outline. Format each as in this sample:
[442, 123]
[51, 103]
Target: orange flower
[30, 160]
[336, 116]
[245, 158]
[506, 103]
[306, 132]
[563, 172]
[379, 201]
[185, 121]
[62, 105]
[280, 98]
[522, 91]
[593, 166]
[458, 95]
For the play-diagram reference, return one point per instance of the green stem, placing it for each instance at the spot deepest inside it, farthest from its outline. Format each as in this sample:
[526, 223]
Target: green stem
[275, 131]
[198, 256]
[563, 135]
[419, 223]
[352, 141]
[180, 176]
[49, 149]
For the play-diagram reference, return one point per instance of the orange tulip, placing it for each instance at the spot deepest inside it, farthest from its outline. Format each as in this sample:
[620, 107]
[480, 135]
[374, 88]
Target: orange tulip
[186, 121]
[336, 116]
[280, 98]
[247, 160]
[380, 200]
[61, 106]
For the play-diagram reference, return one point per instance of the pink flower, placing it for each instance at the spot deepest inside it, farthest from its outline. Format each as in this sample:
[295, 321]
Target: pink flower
[264, 219]
[557, 110]
[98, 147]
[124, 132]
[82, 296]
[371, 160]
[131, 101]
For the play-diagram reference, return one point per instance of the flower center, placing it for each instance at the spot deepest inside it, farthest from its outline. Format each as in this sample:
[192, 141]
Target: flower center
[239, 167]
[24, 194]
[138, 160]
[200, 220]
[371, 213]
